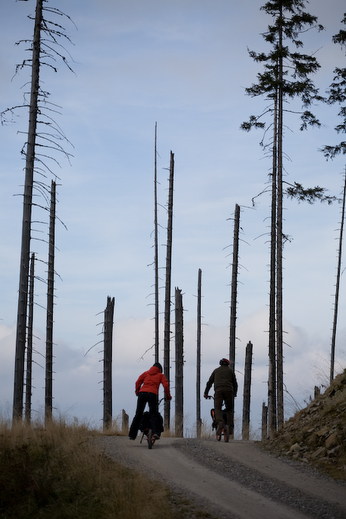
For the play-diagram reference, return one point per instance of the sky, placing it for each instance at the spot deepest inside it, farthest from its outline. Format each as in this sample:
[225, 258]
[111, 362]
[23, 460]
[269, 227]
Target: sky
[185, 66]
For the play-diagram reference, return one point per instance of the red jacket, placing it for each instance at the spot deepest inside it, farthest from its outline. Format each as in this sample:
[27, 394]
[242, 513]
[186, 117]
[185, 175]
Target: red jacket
[150, 382]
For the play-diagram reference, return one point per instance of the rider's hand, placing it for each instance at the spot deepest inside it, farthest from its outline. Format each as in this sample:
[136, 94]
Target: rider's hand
[205, 396]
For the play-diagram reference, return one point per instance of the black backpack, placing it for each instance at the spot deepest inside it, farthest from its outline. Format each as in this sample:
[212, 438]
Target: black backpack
[145, 423]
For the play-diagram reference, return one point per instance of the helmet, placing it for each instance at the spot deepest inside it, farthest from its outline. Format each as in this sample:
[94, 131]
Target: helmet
[158, 365]
[224, 362]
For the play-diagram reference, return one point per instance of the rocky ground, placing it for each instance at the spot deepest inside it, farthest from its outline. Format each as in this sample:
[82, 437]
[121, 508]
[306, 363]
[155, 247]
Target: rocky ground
[316, 435]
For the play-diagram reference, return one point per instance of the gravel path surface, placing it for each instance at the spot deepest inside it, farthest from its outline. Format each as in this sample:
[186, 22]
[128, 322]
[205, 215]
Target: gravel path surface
[233, 480]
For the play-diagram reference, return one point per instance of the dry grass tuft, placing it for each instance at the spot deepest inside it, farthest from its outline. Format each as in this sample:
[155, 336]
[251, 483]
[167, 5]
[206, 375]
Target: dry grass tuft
[54, 472]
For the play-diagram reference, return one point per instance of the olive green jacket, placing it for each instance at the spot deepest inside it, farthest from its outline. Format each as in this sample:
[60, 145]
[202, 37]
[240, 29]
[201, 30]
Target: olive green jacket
[222, 377]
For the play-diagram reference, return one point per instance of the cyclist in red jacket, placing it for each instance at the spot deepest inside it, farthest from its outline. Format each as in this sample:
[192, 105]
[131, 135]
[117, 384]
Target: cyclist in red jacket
[147, 390]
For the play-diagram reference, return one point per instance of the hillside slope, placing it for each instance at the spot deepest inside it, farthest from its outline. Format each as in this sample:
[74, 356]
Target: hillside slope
[317, 434]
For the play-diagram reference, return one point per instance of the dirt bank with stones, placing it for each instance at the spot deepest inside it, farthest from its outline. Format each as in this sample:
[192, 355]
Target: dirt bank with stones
[316, 435]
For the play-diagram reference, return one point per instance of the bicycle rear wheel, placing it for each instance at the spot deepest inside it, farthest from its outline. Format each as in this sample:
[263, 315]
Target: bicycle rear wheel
[150, 439]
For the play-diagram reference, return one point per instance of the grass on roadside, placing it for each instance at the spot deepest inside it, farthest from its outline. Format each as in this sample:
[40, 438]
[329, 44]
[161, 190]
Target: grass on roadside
[54, 472]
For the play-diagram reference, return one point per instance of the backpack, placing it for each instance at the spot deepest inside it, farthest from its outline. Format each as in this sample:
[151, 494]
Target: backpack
[145, 422]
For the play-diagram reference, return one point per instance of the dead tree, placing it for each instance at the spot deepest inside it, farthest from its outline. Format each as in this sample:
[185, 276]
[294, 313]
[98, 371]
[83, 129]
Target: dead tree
[179, 364]
[234, 291]
[124, 422]
[156, 259]
[234, 288]
[279, 249]
[198, 374]
[167, 327]
[107, 363]
[50, 307]
[272, 289]
[26, 223]
[45, 48]
[247, 392]
[337, 287]
[28, 381]
[264, 422]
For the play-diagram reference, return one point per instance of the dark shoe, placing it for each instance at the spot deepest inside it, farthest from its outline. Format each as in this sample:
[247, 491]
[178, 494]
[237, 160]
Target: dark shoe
[156, 436]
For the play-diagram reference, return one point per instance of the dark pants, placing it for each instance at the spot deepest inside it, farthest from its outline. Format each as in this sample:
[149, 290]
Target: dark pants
[224, 394]
[152, 400]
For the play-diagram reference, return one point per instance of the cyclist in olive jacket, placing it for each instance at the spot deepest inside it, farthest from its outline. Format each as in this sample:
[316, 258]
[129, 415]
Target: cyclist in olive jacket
[226, 388]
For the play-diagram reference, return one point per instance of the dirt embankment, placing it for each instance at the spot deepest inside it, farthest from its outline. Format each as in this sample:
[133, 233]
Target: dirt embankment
[316, 435]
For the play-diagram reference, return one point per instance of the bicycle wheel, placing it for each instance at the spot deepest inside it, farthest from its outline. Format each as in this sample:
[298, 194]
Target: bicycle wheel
[150, 439]
[226, 433]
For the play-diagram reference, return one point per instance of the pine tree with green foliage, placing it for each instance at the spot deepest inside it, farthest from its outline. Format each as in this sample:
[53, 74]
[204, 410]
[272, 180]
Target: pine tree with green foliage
[286, 76]
[337, 94]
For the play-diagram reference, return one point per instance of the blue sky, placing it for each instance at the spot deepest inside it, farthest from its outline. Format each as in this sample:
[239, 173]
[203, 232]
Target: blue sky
[184, 65]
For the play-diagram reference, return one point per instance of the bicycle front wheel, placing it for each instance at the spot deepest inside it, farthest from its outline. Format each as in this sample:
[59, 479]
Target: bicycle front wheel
[226, 433]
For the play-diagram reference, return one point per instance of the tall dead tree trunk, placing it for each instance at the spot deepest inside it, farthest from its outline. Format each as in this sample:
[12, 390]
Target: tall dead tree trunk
[156, 260]
[279, 237]
[264, 422]
[167, 327]
[28, 382]
[26, 223]
[179, 364]
[107, 364]
[234, 288]
[337, 286]
[198, 374]
[272, 290]
[234, 292]
[247, 392]
[50, 307]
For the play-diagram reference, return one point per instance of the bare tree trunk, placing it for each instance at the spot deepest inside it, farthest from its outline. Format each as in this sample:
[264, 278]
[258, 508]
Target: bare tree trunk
[179, 364]
[234, 292]
[272, 294]
[337, 287]
[124, 422]
[167, 328]
[26, 224]
[50, 306]
[199, 334]
[156, 261]
[279, 237]
[234, 288]
[28, 384]
[107, 364]
[264, 422]
[247, 392]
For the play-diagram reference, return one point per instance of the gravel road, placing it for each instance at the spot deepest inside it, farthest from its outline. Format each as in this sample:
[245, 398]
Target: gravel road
[235, 480]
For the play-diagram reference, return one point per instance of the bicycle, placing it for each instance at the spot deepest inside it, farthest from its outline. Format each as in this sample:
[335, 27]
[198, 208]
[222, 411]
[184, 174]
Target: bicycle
[225, 427]
[145, 428]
